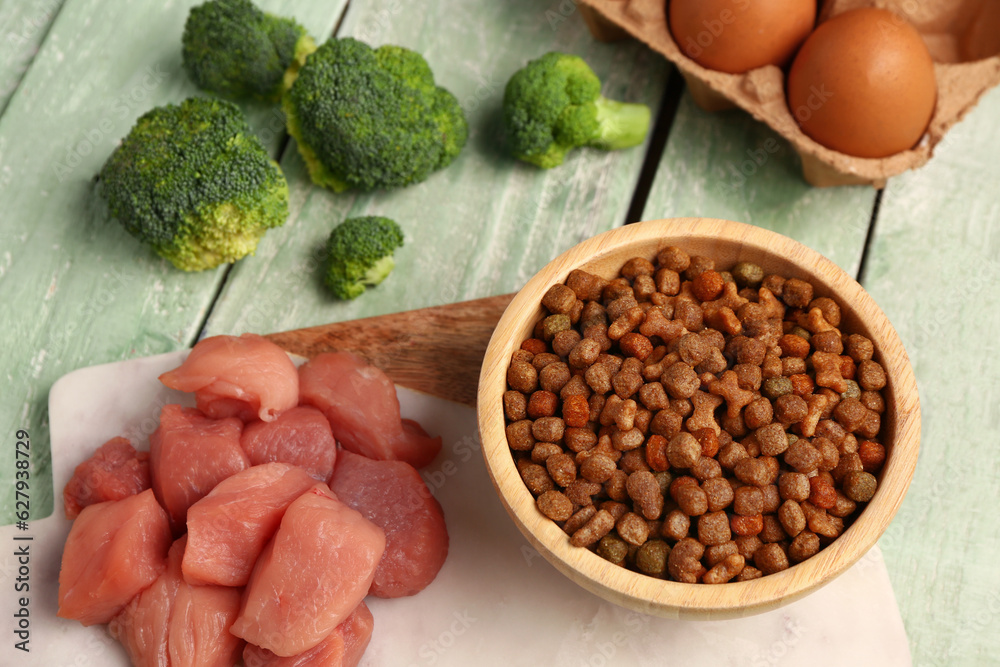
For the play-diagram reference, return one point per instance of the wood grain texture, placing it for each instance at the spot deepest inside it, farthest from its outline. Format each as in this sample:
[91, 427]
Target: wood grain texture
[437, 350]
[933, 267]
[486, 223]
[75, 288]
[728, 165]
[23, 26]
[726, 243]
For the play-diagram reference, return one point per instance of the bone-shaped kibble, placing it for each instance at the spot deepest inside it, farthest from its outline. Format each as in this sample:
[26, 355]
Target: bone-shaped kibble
[828, 373]
[657, 324]
[728, 387]
[815, 404]
[703, 415]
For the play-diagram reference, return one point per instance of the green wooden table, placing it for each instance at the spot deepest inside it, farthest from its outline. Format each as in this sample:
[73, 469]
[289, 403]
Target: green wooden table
[76, 290]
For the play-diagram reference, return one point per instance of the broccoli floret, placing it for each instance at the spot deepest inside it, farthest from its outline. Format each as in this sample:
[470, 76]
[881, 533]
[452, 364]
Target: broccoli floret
[367, 119]
[232, 48]
[194, 182]
[359, 253]
[554, 104]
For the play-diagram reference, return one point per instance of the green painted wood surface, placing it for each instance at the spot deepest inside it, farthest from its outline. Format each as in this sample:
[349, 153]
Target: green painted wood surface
[934, 269]
[75, 289]
[727, 165]
[485, 224]
[23, 26]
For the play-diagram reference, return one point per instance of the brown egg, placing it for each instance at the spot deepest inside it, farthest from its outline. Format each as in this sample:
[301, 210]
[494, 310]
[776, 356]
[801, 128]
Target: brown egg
[739, 35]
[863, 84]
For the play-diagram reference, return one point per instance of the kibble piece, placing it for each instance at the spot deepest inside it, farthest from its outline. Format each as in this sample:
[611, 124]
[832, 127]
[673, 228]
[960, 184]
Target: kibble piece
[775, 387]
[673, 258]
[519, 436]
[872, 455]
[597, 527]
[684, 562]
[752, 471]
[616, 486]
[873, 400]
[616, 509]
[651, 558]
[515, 405]
[548, 429]
[542, 403]
[802, 456]
[770, 558]
[859, 348]
[698, 265]
[794, 486]
[748, 501]
[718, 493]
[555, 505]
[680, 380]
[554, 376]
[849, 462]
[725, 570]
[690, 315]
[543, 450]
[828, 341]
[683, 450]
[705, 469]
[633, 529]
[792, 518]
[820, 522]
[562, 468]
[859, 486]
[579, 439]
[758, 413]
[693, 349]
[612, 549]
[628, 379]
[707, 285]
[575, 387]
[644, 490]
[805, 545]
[772, 530]
[536, 478]
[586, 286]
[871, 375]
[559, 299]
[717, 553]
[598, 468]
[797, 293]
[581, 492]
[579, 519]
[747, 274]
[713, 528]
[843, 507]
[746, 526]
[543, 359]
[731, 454]
[691, 499]
[675, 525]
[522, 376]
[829, 309]
[829, 455]
[790, 409]
[793, 346]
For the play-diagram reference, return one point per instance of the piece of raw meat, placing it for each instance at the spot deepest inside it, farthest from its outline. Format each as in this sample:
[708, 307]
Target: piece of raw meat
[228, 528]
[175, 624]
[360, 402]
[300, 436]
[244, 376]
[115, 549]
[115, 471]
[312, 574]
[393, 496]
[342, 648]
[189, 454]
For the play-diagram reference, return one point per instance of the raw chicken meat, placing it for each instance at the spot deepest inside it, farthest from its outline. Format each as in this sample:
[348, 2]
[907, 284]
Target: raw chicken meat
[174, 624]
[393, 496]
[300, 436]
[360, 402]
[115, 549]
[244, 376]
[228, 528]
[113, 472]
[311, 575]
[189, 455]
[342, 648]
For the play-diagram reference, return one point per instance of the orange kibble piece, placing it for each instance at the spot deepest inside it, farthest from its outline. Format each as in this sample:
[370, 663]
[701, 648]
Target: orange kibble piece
[746, 525]
[802, 384]
[821, 493]
[535, 346]
[708, 285]
[793, 346]
[575, 410]
[872, 455]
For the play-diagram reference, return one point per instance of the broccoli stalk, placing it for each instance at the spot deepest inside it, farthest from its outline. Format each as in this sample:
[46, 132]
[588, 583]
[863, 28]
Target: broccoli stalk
[360, 254]
[554, 104]
[368, 118]
[232, 48]
[194, 183]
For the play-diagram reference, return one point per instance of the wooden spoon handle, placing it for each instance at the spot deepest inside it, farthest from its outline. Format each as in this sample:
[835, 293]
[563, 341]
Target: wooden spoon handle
[437, 350]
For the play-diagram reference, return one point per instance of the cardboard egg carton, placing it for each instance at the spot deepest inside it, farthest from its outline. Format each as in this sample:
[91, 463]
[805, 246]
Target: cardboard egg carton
[963, 37]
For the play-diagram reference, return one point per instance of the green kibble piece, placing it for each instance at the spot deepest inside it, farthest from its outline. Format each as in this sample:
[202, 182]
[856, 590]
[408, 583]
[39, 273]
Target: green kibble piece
[747, 274]
[651, 558]
[853, 390]
[800, 332]
[612, 549]
[776, 387]
[727, 277]
[792, 438]
[553, 324]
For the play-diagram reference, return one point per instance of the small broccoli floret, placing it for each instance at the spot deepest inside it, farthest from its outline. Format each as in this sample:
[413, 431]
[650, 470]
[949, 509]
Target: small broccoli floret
[367, 119]
[359, 253]
[232, 48]
[195, 183]
[554, 104]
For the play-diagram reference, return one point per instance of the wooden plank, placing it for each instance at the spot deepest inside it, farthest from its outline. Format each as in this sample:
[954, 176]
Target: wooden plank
[727, 165]
[485, 224]
[23, 26]
[75, 289]
[933, 268]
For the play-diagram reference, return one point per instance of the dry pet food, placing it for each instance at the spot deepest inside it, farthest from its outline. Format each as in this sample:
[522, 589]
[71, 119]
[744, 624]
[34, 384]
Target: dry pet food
[697, 423]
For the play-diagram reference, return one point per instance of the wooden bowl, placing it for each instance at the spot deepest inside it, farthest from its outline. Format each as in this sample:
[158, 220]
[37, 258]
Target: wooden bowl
[727, 243]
